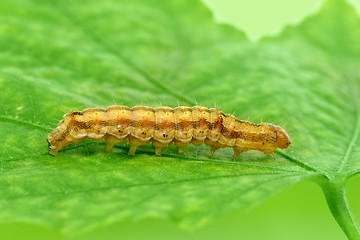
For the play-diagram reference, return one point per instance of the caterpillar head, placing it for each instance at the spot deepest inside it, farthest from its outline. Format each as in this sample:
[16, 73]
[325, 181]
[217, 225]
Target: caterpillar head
[282, 139]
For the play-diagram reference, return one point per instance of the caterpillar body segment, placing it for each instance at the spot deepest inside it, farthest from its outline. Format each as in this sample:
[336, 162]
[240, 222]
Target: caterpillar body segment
[163, 126]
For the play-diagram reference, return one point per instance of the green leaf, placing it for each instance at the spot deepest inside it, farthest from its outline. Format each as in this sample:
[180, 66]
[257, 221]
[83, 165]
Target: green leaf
[69, 55]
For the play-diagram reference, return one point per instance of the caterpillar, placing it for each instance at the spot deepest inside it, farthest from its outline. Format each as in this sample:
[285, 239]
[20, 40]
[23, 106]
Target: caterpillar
[163, 126]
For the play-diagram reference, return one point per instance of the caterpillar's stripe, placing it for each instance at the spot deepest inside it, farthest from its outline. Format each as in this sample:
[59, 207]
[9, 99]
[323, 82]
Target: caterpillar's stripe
[163, 126]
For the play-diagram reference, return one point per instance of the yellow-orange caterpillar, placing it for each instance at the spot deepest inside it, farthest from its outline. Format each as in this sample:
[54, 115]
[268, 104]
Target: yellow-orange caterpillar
[163, 126]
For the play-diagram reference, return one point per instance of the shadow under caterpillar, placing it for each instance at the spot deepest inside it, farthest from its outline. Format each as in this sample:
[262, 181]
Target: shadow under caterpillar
[163, 126]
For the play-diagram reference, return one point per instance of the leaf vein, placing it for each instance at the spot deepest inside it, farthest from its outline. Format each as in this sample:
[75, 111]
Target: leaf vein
[115, 52]
[25, 123]
[297, 162]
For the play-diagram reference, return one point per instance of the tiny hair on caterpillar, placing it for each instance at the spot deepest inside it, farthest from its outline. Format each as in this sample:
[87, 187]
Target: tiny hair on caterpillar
[163, 126]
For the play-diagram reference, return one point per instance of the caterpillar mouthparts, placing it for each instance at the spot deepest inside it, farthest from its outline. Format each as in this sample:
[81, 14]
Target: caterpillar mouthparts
[163, 126]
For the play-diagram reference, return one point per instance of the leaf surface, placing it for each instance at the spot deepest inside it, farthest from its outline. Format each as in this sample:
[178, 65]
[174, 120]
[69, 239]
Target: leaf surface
[60, 56]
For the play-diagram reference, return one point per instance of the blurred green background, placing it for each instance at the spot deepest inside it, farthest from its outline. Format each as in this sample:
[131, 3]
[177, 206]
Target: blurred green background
[299, 212]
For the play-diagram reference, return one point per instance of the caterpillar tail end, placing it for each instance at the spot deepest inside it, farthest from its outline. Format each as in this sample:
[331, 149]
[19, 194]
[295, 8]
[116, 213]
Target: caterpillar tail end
[56, 140]
[52, 149]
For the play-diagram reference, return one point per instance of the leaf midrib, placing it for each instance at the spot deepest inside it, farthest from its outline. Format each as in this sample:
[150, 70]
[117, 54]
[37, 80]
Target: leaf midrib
[181, 157]
[341, 60]
[351, 144]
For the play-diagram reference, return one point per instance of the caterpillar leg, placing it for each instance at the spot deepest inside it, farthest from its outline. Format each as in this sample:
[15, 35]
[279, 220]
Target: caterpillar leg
[159, 145]
[212, 151]
[181, 149]
[132, 150]
[111, 141]
[213, 146]
[238, 150]
[158, 151]
[109, 146]
[134, 144]
[236, 153]
[270, 153]
[181, 146]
